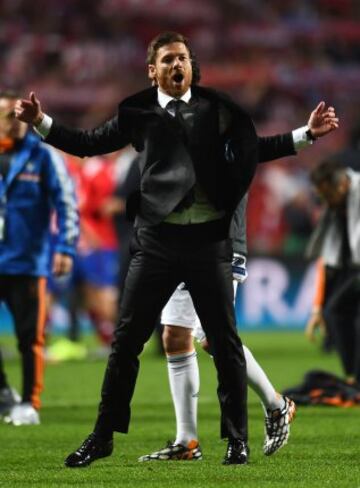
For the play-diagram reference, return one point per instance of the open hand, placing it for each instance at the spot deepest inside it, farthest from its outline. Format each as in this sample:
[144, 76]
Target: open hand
[322, 120]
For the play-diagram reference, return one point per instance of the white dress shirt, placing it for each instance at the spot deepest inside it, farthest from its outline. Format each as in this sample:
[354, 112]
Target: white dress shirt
[299, 135]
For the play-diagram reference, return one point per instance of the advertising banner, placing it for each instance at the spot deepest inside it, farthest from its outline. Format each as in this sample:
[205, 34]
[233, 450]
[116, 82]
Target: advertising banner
[277, 295]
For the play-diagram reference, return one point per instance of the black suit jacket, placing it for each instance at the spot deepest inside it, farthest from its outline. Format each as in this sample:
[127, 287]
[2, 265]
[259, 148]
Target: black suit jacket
[223, 157]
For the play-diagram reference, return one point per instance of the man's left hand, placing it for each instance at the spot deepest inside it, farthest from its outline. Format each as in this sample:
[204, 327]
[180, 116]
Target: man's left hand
[62, 264]
[322, 120]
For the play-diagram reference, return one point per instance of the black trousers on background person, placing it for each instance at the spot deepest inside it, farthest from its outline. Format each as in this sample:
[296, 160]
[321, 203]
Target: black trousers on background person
[342, 313]
[162, 257]
[25, 296]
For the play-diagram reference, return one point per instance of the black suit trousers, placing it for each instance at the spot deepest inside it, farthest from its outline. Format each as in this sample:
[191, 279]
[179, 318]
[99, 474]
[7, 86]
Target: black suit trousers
[159, 263]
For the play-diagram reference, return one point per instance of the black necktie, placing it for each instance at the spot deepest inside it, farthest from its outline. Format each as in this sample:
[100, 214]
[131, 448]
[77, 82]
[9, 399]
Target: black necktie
[178, 108]
[184, 113]
[176, 104]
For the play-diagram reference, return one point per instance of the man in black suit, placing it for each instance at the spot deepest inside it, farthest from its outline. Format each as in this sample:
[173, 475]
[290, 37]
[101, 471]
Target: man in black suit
[198, 153]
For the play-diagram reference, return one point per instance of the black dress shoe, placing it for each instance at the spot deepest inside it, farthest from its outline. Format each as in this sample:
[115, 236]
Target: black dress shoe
[91, 449]
[237, 452]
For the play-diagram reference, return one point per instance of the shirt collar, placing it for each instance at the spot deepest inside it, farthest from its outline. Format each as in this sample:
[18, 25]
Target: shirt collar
[164, 98]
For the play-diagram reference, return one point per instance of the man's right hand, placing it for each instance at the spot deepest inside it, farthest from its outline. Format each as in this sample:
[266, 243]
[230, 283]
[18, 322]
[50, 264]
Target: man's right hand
[29, 111]
[316, 321]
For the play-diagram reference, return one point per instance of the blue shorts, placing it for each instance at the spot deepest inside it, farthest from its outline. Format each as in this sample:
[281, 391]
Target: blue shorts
[99, 268]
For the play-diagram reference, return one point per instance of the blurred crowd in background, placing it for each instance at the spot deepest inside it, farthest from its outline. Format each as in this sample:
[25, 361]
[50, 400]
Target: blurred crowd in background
[277, 59]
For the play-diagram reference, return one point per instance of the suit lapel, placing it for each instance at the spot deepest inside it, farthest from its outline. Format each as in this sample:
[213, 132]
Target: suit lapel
[198, 131]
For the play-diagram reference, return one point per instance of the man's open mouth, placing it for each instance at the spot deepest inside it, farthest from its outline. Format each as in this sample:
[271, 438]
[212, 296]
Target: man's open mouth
[178, 77]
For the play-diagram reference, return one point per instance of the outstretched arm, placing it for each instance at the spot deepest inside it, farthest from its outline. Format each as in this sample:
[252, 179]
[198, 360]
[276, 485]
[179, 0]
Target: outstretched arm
[322, 121]
[104, 139]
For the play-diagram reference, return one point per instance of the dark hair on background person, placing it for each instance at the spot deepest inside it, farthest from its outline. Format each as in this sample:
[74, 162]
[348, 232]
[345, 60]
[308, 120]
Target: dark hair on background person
[329, 171]
[166, 38]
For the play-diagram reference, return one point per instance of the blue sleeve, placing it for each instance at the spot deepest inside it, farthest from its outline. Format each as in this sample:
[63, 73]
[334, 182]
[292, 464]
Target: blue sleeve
[61, 192]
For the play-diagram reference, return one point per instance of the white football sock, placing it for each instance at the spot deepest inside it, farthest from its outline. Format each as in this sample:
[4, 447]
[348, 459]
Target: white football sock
[184, 381]
[260, 383]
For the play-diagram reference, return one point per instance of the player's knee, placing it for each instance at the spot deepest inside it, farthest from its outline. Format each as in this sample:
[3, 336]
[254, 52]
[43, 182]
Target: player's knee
[176, 339]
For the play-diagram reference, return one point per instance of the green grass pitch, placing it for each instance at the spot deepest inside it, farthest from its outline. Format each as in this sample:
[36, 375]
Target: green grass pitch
[324, 447]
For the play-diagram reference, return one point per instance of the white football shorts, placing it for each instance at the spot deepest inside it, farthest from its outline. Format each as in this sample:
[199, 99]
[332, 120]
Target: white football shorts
[180, 312]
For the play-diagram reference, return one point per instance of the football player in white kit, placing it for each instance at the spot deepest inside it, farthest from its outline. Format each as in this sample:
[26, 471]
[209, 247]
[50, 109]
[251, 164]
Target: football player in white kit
[181, 325]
